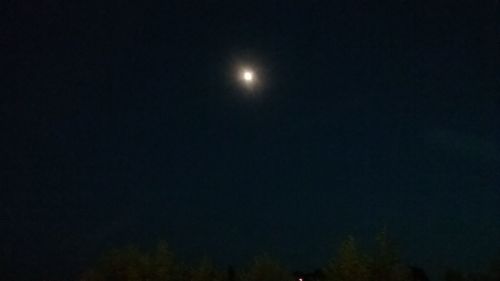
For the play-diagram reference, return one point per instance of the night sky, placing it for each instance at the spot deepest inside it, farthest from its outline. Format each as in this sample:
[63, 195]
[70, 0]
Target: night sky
[125, 123]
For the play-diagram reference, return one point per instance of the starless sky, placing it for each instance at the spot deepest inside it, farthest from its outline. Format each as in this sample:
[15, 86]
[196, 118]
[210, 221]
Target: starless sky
[126, 123]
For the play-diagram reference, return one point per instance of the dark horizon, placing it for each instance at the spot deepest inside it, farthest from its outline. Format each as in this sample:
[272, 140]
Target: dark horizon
[126, 123]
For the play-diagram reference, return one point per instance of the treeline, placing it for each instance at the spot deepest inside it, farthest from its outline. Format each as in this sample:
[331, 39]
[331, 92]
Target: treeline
[132, 264]
[349, 264]
[493, 274]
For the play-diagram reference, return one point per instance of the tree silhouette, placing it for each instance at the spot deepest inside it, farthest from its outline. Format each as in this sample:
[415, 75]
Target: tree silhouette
[266, 269]
[453, 275]
[231, 274]
[205, 272]
[130, 264]
[349, 265]
[163, 264]
[386, 264]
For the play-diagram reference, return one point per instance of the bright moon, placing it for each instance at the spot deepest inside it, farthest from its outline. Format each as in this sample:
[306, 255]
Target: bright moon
[247, 76]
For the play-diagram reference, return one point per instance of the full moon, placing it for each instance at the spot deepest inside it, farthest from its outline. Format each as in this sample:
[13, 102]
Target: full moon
[247, 76]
